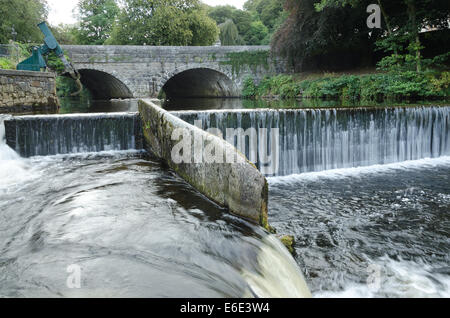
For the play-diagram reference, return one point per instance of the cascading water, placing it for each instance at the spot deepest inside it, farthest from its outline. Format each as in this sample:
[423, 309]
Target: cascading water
[324, 139]
[132, 227]
[63, 134]
[365, 192]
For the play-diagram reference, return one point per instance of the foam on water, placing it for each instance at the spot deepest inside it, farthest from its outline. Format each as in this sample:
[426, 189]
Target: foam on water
[279, 275]
[399, 279]
[354, 172]
[12, 168]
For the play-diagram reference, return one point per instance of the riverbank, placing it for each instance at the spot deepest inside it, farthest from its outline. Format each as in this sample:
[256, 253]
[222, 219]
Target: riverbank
[368, 87]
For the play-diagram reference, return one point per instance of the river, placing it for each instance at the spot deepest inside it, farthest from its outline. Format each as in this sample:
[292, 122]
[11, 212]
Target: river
[365, 229]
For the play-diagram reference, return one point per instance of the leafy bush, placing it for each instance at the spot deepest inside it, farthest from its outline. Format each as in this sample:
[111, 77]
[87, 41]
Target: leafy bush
[7, 64]
[373, 87]
[249, 90]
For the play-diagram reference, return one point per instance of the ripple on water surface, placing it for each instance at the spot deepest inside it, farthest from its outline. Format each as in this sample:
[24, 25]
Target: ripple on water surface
[372, 231]
[133, 228]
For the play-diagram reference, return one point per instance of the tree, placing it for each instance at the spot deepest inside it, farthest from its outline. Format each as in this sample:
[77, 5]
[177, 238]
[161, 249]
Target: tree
[257, 35]
[403, 22]
[96, 18]
[65, 34]
[23, 15]
[251, 30]
[204, 30]
[268, 11]
[337, 37]
[163, 22]
[229, 34]
[220, 14]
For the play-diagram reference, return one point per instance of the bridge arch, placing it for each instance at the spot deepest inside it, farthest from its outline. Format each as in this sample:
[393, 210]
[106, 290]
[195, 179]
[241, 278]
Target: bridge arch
[104, 85]
[199, 81]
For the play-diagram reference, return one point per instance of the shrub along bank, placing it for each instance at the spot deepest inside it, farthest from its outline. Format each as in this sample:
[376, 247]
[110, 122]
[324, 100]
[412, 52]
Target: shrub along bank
[370, 87]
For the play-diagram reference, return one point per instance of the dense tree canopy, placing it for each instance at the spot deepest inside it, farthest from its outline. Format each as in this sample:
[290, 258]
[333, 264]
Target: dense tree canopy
[256, 23]
[308, 35]
[23, 15]
[163, 22]
[270, 12]
[229, 34]
[96, 18]
[323, 31]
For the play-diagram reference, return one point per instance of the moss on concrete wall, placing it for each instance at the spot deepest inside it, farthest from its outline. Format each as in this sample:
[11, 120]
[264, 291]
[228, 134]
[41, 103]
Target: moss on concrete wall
[239, 186]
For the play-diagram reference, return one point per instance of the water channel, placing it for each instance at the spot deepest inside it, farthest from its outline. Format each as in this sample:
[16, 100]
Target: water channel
[372, 223]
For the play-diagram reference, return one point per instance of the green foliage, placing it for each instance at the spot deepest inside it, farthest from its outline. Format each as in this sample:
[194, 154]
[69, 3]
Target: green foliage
[204, 30]
[65, 34]
[229, 34]
[268, 11]
[275, 85]
[23, 15]
[17, 53]
[307, 35]
[65, 86]
[257, 34]
[7, 64]
[255, 24]
[163, 22]
[402, 22]
[96, 18]
[373, 87]
[251, 59]
[55, 64]
[249, 90]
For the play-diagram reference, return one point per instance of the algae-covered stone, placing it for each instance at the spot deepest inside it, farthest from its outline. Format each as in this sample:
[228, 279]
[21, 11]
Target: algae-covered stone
[235, 184]
[288, 241]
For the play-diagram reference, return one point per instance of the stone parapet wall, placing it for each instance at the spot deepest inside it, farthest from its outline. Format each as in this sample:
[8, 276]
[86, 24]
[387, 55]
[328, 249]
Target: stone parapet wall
[25, 91]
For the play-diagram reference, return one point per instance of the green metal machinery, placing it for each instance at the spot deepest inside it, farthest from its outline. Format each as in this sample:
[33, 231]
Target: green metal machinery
[36, 61]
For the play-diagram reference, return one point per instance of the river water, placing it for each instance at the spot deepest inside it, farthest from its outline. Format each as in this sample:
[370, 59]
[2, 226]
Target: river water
[387, 225]
[132, 228]
[377, 229]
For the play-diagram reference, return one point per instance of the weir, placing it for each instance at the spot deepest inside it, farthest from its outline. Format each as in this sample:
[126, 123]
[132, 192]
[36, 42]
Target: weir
[308, 140]
[324, 139]
[63, 134]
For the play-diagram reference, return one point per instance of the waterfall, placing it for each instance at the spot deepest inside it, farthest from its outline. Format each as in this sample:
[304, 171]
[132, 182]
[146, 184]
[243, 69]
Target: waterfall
[63, 134]
[323, 139]
[6, 153]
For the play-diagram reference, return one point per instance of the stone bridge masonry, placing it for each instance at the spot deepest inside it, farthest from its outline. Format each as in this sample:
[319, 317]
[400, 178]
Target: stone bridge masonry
[145, 71]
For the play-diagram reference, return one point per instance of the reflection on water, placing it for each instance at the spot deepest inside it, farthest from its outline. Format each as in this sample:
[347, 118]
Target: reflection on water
[71, 105]
[75, 105]
[86, 105]
[237, 103]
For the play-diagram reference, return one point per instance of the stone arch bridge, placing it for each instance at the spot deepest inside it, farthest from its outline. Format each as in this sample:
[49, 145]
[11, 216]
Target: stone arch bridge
[146, 71]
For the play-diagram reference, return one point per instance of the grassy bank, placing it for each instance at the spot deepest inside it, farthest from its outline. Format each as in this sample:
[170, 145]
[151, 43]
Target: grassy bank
[376, 87]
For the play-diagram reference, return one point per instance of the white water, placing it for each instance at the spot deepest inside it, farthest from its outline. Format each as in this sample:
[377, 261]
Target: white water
[13, 169]
[274, 273]
[404, 279]
[280, 276]
[323, 139]
[422, 276]
[354, 172]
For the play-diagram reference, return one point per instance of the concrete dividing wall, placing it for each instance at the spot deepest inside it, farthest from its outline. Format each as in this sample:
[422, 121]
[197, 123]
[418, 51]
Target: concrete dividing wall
[27, 91]
[238, 185]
